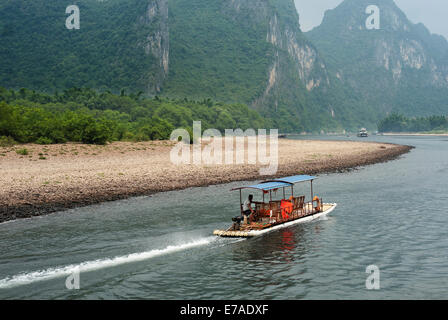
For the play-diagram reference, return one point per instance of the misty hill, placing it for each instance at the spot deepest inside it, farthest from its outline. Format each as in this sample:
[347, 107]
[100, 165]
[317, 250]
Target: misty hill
[401, 67]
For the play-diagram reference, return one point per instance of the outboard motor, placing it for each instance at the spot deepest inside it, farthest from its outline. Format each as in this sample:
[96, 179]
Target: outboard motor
[236, 223]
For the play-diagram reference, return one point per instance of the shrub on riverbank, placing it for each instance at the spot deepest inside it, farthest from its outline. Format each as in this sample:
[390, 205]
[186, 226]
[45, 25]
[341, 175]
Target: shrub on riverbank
[22, 152]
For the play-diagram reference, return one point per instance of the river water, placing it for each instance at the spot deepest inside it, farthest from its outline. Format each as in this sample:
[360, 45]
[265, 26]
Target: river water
[392, 215]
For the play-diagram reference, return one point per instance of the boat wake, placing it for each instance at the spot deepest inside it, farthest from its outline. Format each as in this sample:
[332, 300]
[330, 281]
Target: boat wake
[52, 273]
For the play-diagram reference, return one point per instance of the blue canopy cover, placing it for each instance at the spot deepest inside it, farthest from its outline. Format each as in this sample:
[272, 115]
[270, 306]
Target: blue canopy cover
[278, 183]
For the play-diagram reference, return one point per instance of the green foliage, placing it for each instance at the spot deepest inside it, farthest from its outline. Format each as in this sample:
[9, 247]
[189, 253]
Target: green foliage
[38, 51]
[399, 123]
[216, 51]
[84, 115]
[44, 140]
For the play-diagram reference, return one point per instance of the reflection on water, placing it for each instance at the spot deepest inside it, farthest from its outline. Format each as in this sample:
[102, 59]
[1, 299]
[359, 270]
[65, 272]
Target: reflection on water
[287, 240]
[392, 215]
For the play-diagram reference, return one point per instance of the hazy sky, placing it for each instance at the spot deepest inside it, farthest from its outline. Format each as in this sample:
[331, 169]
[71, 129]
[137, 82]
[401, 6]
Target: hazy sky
[432, 13]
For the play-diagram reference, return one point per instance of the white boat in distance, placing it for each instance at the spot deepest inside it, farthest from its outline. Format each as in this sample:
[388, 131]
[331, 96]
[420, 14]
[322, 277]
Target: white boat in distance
[363, 133]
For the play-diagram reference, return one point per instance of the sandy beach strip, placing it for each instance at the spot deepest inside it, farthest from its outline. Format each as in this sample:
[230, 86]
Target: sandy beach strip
[50, 178]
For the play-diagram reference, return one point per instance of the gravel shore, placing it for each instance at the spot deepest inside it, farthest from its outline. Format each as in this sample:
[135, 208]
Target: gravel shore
[45, 179]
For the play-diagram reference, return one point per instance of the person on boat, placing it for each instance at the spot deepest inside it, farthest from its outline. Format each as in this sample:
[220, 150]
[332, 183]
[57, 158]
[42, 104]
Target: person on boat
[318, 204]
[247, 208]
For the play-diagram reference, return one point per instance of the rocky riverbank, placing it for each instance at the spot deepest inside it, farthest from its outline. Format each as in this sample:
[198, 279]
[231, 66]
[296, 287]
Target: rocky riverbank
[37, 180]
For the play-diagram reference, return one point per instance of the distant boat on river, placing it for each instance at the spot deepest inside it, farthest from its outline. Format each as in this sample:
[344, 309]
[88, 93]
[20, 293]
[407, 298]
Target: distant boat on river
[363, 133]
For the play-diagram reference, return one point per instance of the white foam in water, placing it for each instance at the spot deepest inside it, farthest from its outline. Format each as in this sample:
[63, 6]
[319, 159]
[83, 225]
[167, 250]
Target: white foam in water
[51, 273]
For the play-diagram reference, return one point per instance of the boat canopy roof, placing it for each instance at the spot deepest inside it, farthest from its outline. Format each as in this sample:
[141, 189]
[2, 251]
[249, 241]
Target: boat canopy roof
[266, 186]
[294, 179]
[278, 183]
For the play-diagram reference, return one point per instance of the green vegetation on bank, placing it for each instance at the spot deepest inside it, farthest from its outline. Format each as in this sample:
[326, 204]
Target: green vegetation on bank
[84, 115]
[399, 123]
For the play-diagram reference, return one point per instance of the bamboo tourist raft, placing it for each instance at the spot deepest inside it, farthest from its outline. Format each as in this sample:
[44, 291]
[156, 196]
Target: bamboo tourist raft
[262, 217]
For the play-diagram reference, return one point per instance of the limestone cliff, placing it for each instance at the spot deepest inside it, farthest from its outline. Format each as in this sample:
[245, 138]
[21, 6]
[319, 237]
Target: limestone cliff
[157, 42]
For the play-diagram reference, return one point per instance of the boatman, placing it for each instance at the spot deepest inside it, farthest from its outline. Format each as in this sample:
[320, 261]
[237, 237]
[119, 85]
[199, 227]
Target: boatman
[247, 208]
